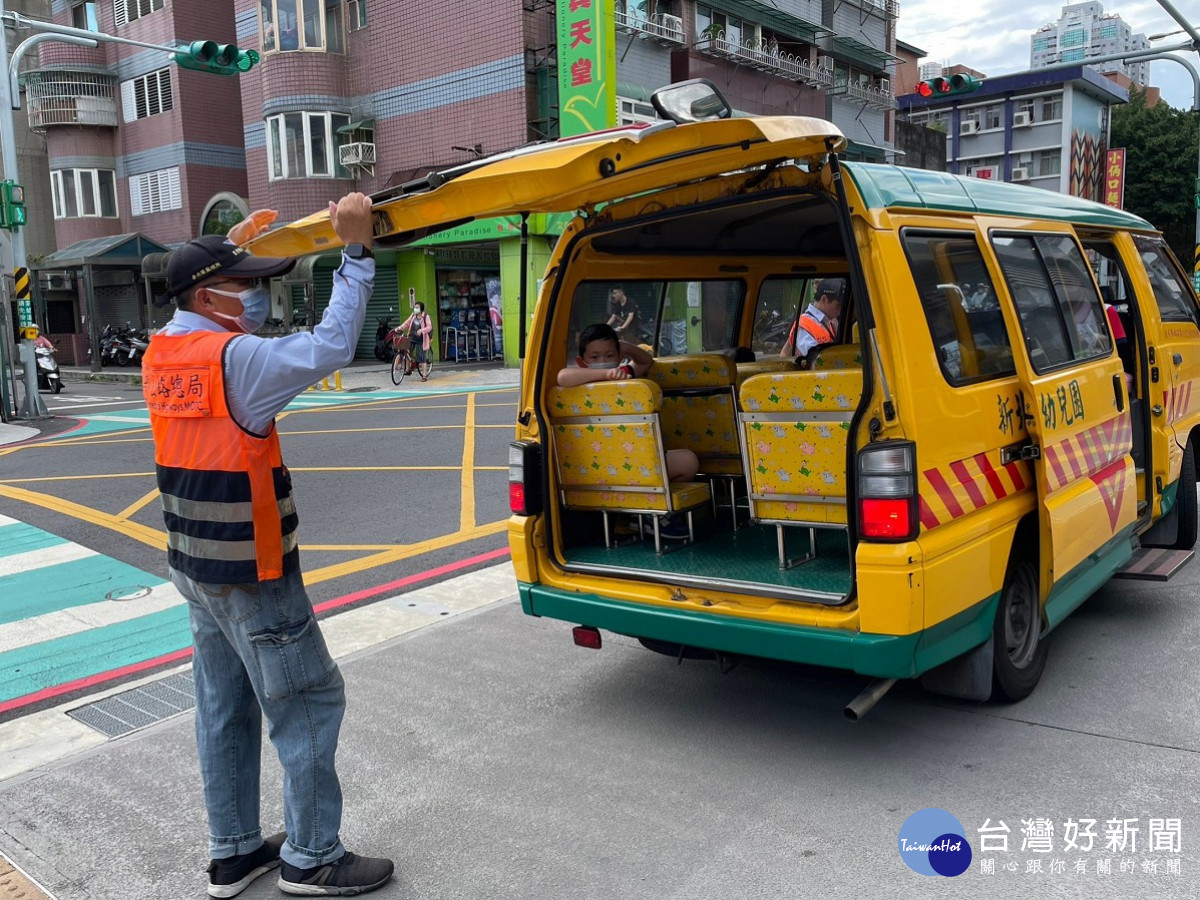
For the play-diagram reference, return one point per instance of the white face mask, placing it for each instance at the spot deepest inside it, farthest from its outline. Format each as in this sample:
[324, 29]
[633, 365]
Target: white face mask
[256, 303]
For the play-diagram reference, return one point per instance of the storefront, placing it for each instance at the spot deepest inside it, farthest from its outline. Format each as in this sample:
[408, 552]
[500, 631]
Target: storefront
[469, 314]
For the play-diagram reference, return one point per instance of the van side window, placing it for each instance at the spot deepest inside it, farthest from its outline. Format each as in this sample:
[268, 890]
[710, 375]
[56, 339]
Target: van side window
[1176, 300]
[960, 305]
[779, 302]
[1061, 314]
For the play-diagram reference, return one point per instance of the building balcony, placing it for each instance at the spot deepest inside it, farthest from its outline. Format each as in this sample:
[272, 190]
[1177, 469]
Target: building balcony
[661, 27]
[64, 97]
[879, 97]
[768, 59]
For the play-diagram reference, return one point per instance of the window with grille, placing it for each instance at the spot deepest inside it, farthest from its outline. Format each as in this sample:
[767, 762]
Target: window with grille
[154, 192]
[83, 193]
[127, 11]
[146, 95]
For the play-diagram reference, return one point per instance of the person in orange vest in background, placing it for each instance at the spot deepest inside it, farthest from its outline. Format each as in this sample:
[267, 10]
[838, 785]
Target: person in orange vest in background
[213, 391]
[819, 322]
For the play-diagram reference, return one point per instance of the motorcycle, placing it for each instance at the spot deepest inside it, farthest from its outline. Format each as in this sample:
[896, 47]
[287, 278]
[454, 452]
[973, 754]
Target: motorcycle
[131, 346]
[48, 376]
[108, 345]
[384, 350]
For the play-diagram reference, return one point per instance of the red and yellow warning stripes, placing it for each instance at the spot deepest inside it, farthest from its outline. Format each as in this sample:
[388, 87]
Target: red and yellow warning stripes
[948, 492]
[1177, 402]
[1087, 453]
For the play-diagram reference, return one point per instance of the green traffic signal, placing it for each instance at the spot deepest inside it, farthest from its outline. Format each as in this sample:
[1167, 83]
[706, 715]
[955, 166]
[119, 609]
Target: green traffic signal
[219, 59]
[14, 214]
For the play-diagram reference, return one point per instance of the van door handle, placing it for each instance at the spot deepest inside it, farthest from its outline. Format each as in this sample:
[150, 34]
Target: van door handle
[1177, 358]
[1118, 389]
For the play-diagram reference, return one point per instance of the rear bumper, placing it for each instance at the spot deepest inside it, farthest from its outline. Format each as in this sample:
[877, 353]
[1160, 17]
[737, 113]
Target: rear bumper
[878, 655]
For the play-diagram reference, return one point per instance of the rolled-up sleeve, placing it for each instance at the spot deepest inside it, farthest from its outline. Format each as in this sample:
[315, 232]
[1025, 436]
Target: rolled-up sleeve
[264, 375]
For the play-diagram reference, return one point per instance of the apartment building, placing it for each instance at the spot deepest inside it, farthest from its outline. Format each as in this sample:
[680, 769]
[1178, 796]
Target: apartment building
[1046, 128]
[1084, 31]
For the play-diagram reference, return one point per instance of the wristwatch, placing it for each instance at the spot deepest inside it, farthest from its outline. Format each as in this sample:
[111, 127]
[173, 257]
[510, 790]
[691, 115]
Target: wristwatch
[359, 251]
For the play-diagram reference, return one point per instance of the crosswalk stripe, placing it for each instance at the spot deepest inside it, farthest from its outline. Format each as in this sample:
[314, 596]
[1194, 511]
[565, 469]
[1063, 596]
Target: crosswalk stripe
[18, 537]
[13, 563]
[74, 583]
[64, 622]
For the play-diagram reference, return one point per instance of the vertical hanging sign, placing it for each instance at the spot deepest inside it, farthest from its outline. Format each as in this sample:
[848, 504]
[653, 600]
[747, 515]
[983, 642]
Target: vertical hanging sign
[1114, 179]
[587, 66]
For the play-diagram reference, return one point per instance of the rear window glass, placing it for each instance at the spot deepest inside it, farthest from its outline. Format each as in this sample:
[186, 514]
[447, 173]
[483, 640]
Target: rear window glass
[672, 318]
[1175, 297]
[1062, 318]
[960, 306]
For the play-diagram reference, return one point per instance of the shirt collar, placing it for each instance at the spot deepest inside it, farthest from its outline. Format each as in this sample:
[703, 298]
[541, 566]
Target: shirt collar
[184, 321]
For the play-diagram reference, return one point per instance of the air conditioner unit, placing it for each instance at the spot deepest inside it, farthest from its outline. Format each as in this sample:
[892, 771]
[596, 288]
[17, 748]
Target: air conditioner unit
[968, 126]
[1022, 120]
[1020, 174]
[55, 281]
[671, 24]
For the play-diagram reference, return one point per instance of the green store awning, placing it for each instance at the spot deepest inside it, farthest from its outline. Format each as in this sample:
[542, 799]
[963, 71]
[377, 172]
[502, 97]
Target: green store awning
[864, 54]
[767, 14]
[631, 91]
[354, 126]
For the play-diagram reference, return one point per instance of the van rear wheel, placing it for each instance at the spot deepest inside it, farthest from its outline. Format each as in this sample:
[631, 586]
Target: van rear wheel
[1020, 654]
[1185, 501]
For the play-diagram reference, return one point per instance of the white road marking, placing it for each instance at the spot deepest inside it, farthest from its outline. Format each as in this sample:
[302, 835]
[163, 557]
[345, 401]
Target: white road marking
[40, 559]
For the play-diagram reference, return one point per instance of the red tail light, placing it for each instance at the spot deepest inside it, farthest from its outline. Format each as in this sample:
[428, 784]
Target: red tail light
[887, 491]
[586, 636]
[524, 478]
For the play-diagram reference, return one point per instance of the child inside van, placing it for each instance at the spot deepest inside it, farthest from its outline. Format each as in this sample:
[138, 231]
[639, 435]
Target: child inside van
[605, 357]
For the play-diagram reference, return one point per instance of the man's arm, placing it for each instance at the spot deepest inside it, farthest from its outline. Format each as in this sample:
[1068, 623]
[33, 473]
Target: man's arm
[264, 375]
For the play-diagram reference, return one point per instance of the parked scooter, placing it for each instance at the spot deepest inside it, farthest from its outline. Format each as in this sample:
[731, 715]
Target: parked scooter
[383, 346]
[131, 346]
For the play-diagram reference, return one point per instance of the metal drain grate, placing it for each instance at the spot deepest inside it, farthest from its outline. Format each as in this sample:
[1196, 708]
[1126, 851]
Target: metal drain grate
[150, 703]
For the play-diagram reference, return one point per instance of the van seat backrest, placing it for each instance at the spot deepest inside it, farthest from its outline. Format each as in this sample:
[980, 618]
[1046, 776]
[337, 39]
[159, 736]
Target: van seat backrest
[794, 427]
[698, 411]
[838, 356]
[758, 367]
[608, 449]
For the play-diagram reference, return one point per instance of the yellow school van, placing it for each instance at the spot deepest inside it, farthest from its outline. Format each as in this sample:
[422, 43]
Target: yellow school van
[1004, 419]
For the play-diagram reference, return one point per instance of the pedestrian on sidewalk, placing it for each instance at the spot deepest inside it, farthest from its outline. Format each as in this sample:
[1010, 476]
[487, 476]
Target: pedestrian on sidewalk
[213, 390]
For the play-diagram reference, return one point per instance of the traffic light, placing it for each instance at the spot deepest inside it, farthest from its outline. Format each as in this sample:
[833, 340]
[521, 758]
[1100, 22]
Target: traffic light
[13, 196]
[946, 86]
[220, 59]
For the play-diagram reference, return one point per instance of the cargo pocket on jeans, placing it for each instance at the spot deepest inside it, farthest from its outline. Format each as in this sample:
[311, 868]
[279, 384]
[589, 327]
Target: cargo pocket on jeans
[291, 659]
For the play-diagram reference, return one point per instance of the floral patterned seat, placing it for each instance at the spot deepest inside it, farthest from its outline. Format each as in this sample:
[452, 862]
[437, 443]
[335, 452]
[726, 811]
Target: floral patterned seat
[838, 356]
[793, 427]
[609, 452]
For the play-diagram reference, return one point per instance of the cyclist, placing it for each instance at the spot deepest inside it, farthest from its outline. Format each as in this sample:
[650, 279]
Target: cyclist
[419, 327]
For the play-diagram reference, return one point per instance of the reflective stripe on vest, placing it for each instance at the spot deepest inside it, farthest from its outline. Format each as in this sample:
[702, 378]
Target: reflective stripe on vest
[226, 495]
[822, 334]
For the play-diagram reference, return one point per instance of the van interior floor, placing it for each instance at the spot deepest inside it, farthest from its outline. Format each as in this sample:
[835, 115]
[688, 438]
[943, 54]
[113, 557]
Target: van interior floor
[749, 556]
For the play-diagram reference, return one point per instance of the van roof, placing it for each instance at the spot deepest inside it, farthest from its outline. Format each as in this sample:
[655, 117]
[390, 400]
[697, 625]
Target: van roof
[896, 187]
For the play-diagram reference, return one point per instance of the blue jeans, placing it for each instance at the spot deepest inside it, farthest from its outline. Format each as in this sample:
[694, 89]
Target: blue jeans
[259, 650]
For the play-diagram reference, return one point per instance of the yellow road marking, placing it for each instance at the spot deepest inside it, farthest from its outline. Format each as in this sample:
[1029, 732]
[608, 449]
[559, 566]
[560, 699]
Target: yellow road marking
[132, 508]
[138, 532]
[76, 477]
[390, 556]
[466, 508]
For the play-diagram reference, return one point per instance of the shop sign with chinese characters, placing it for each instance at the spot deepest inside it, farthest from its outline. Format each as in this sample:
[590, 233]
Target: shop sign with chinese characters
[1114, 179]
[587, 66]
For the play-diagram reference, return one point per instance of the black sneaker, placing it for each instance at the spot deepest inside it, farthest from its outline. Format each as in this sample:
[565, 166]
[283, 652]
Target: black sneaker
[344, 877]
[229, 877]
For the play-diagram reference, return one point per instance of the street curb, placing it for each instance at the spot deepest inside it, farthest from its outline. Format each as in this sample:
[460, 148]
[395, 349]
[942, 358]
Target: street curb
[101, 377]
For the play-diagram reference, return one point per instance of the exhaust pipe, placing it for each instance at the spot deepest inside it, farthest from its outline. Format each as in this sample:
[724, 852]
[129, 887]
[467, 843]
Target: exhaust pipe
[872, 694]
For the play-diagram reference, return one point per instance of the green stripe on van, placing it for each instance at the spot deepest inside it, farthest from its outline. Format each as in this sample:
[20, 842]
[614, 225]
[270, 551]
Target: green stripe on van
[893, 187]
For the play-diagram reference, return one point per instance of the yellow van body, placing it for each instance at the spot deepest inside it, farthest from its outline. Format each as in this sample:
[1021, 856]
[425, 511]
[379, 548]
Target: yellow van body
[980, 388]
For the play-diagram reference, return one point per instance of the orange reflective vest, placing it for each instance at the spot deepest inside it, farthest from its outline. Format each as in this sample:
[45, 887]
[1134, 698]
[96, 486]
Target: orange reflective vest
[226, 495]
[822, 334]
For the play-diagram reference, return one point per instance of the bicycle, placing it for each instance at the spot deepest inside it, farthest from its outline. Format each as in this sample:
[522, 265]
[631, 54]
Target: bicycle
[403, 363]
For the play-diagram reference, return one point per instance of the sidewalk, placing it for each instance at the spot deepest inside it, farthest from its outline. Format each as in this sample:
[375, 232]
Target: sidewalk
[14, 434]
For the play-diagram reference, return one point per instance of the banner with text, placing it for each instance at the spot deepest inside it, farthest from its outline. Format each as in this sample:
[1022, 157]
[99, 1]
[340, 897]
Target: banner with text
[587, 66]
[1114, 179]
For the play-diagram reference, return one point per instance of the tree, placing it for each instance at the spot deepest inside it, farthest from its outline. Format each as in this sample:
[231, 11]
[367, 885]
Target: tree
[1161, 150]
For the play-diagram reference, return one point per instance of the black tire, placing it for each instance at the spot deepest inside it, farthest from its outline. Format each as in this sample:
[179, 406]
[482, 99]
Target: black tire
[56, 387]
[1185, 501]
[122, 358]
[1019, 654]
[399, 367]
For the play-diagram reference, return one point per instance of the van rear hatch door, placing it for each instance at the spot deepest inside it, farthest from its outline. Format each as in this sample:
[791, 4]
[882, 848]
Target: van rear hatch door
[568, 175]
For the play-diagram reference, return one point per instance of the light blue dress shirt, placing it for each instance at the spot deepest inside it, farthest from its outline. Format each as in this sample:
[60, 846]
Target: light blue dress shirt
[264, 375]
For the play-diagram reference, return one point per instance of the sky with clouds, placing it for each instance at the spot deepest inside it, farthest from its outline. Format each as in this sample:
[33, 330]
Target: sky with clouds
[992, 36]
